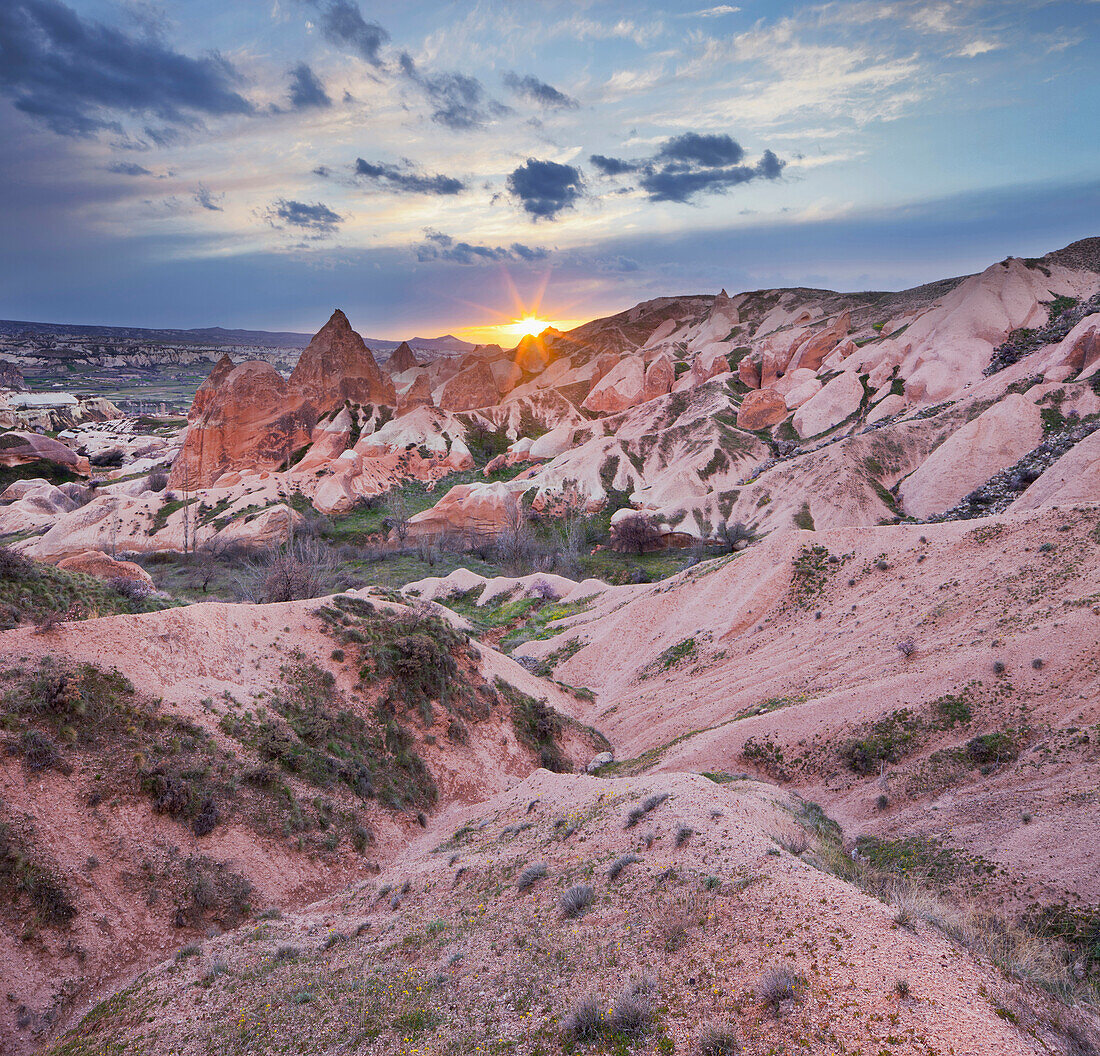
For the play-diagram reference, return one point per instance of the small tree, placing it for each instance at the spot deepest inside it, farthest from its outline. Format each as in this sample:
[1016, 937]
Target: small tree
[397, 508]
[515, 542]
[636, 533]
[303, 568]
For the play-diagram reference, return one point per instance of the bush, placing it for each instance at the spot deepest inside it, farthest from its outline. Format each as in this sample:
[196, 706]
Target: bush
[778, 985]
[585, 1021]
[530, 875]
[576, 900]
[131, 589]
[640, 810]
[683, 834]
[636, 533]
[156, 480]
[718, 1040]
[632, 1012]
[303, 568]
[620, 864]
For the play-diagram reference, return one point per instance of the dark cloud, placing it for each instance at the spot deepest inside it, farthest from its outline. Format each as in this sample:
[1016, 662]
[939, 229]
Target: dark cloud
[693, 164]
[708, 151]
[342, 23]
[545, 188]
[129, 168]
[540, 92]
[406, 179]
[438, 246]
[78, 76]
[317, 218]
[458, 101]
[208, 200]
[323, 171]
[612, 166]
[305, 89]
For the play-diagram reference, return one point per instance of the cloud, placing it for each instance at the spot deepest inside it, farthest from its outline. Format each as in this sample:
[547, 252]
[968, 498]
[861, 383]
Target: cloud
[708, 151]
[317, 218]
[406, 179]
[438, 246]
[306, 90]
[77, 76]
[977, 47]
[207, 200]
[713, 12]
[458, 101]
[545, 188]
[540, 92]
[692, 164]
[612, 166]
[342, 23]
[129, 168]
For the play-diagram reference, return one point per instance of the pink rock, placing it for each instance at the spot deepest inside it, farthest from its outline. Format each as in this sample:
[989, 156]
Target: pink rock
[832, 405]
[621, 388]
[998, 438]
[760, 409]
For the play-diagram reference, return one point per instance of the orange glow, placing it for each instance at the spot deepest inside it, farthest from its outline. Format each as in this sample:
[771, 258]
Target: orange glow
[527, 319]
[529, 324]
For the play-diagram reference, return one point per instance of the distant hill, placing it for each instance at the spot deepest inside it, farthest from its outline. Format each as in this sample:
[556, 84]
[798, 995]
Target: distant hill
[205, 336]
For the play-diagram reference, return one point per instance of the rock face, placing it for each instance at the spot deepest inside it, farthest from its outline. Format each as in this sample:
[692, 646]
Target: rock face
[403, 359]
[17, 449]
[532, 355]
[477, 510]
[98, 564]
[760, 409]
[473, 387]
[1073, 479]
[659, 376]
[337, 366]
[252, 420]
[835, 402]
[998, 438]
[249, 417]
[10, 378]
[813, 350]
[207, 391]
[418, 394]
[619, 389]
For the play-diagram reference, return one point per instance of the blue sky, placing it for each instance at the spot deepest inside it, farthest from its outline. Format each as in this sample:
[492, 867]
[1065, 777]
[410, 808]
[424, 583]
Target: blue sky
[436, 167]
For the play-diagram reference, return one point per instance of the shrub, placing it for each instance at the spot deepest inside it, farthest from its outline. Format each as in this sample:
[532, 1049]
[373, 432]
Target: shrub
[530, 875]
[640, 810]
[718, 1040]
[620, 864]
[632, 1012]
[907, 648]
[777, 985]
[636, 533]
[901, 987]
[131, 589]
[156, 480]
[585, 1021]
[683, 834]
[576, 900]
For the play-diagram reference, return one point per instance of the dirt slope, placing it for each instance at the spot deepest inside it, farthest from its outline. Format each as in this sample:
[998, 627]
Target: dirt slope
[781, 661]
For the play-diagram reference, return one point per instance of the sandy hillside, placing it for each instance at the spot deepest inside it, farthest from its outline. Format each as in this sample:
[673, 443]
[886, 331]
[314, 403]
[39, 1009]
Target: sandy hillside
[449, 951]
[220, 760]
[950, 668]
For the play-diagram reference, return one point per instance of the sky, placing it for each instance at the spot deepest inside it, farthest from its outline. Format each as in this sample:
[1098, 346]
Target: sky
[437, 167]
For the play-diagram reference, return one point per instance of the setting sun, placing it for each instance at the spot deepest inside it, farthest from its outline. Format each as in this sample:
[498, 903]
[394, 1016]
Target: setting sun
[529, 324]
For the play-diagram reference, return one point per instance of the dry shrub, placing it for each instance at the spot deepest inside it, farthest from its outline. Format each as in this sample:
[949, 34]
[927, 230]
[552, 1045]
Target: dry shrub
[303, 568]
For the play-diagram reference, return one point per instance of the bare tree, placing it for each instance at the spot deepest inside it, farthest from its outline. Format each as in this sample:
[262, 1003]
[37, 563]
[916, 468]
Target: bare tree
[636, 533]
[515, 543]
[303, 568]
[397, 508]
[735, 536]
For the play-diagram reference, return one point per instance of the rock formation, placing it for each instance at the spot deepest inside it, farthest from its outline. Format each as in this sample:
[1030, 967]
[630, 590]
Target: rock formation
[336, 367]
[403, 359]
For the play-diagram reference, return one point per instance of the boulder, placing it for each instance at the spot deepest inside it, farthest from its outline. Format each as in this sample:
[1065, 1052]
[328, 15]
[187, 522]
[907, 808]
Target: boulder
[659, 376]
[748, 370]
[836, 401]
[532, 354]
[98, 564]
[1078, 350]
[760, 409]
[621, 388]
[273, 527]
[17, 449]
[802, 393]
[337, 366]
[812, 351]
[996, 439]
[599, 760]
[506, 374]
[477, 510]
[470, 388]
[886, 408]
[403, 359]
